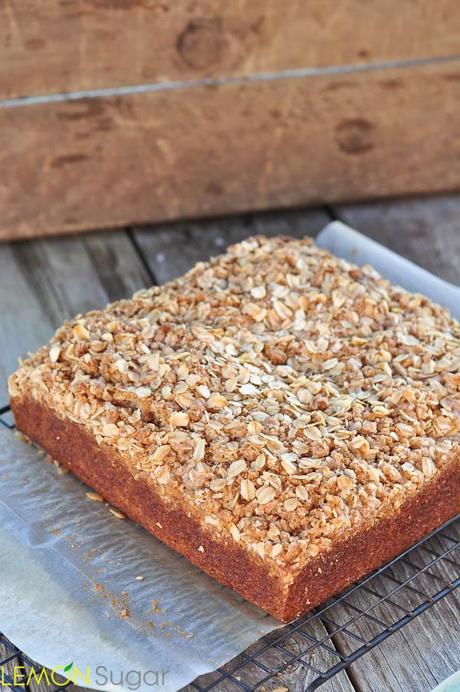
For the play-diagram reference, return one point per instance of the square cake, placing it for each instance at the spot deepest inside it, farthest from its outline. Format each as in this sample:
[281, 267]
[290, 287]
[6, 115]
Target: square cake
[286, 420]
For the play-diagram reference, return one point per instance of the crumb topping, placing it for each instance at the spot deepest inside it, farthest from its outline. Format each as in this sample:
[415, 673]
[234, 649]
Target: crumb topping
[287, 396]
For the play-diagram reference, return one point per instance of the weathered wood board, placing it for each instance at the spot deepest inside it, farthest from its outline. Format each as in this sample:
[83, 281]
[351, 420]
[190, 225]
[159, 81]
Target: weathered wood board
[427, 231]
[79, 45]
[204, 150]
[418, 657]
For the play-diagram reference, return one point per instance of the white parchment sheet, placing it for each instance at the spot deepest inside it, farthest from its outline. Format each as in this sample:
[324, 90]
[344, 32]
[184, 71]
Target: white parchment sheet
[68, 568]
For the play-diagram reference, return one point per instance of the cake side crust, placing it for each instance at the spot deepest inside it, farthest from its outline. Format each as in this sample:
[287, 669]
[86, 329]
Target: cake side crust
[74, 448]
[226, 561]
[351, 559]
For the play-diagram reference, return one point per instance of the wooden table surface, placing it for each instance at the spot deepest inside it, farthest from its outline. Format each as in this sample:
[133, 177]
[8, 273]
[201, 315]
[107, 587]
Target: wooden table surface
[43, 282]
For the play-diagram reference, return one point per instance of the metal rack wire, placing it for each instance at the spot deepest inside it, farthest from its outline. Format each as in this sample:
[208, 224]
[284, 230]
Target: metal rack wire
[330, 638]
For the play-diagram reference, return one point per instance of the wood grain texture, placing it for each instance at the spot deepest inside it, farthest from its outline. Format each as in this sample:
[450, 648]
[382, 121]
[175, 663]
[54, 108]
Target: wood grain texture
[213, 150]
[424, 652]
[172, 249]
[68, 46]
[44, 283]
[426, 231]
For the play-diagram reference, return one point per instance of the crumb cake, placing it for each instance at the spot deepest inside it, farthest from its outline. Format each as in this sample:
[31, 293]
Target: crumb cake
[285, 419]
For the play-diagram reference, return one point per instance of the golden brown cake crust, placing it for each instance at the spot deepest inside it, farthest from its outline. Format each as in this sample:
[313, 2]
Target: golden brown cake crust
[225, 560]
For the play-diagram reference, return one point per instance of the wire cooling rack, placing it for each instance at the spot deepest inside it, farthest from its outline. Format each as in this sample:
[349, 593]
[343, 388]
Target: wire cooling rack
[329, 638]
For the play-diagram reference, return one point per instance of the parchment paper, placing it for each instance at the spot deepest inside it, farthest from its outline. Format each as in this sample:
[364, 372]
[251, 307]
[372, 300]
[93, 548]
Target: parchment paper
[345, 242]
[68, 568]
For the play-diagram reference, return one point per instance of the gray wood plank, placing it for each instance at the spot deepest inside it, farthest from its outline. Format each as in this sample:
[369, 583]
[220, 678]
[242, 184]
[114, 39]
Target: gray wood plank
[171, 250]
[416, 658]
[44, 282]
[426, 231]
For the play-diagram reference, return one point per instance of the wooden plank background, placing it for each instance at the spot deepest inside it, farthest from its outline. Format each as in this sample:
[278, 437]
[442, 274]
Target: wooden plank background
[116, 112]
[79, 45]
[209, 150]
[44, 281]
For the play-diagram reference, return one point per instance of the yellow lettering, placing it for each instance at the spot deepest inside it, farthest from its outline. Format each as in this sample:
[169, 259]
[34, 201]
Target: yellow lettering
[85, 677]
[38, 677]
[18, 676]
[56, 681]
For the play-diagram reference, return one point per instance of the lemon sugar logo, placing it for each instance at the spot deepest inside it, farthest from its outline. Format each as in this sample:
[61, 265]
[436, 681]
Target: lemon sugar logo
[60, 676]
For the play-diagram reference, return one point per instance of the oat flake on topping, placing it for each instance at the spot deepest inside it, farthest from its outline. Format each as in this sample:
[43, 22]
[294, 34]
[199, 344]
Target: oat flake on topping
[287, 396]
